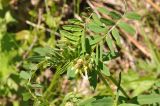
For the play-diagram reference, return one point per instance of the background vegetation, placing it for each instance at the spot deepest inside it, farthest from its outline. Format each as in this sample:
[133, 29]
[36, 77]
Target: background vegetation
[108, 55]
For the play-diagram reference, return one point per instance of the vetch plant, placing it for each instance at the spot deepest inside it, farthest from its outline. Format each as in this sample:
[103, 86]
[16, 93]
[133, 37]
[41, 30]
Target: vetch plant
[81, 51]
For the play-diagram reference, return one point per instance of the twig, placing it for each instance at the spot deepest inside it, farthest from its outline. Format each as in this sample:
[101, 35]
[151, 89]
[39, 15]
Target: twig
[41, 27]
[35, 38]
[38, 26]
[153, 5]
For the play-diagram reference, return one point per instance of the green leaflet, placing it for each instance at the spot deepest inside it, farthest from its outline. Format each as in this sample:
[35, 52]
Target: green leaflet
[95, 39]
[69, 35]
[86, 102]
[77, 33]
[101, 51]
[25, 75]
[26, 96]
[93, 78]
[107, 22]
[75, 21]
[96, 19]
[65, 33]
[42, 51]
[72, 28]
[64, 67]
[83, 42]
[103, 10]
[112, 14]
[105, 101]
[36, 86]
[96, 25]
[88, 46]
[8, 17]
[127, 27]
[109, 56]
[110, 43]
[71, 72]
[97, 55]
[116, 36]
[99, 58]
[96, 28]
[36, 58]
[49, 21]
[6, 68]
[105, 70]
[132, 15]
[23, 35]
[97, 101]
[30, 66]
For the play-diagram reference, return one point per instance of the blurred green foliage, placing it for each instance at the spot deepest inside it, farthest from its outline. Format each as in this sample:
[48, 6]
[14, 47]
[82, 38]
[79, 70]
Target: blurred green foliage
[36, 36]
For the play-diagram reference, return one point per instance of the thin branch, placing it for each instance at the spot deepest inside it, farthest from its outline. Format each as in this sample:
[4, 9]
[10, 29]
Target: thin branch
[38, 26]
[120, 88]
[106, 83]
[34, 40]
[43, 28]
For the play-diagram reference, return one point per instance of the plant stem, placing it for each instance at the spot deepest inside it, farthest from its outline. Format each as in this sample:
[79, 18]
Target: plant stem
[120, 88]
[106, 83]
[115, 82]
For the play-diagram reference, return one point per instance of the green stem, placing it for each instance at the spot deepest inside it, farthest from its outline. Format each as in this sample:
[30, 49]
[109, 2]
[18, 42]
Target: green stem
[120, 88]
[106, 83]
[117, 95]
[115, 82]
